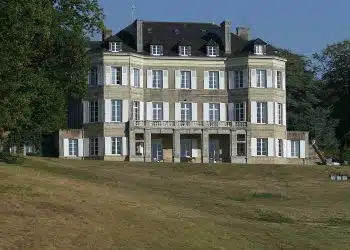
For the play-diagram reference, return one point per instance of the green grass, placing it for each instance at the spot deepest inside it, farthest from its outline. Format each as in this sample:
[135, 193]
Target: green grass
[65, 204]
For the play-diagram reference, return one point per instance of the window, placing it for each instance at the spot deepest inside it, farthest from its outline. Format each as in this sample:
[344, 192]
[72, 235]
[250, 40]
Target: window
[214, 111]
[261, 80]
[184, 50]
[94, 111]
[157, 79]
[93, 76]
[280, 113]
[186, 111]
[116, 146]
[186, 147]
[117, 75]
[136, 110]
[156, 50]
[157, 111]
[241, 145]
[213, 79]
[261, 146]
[261, 112]
[185, 79]
[279, 79]
[115, 46]
[239, 112]
[136, 78]
[295, 148]
[280, 147]
[238, 79]
[211, 50]
[93, 146]
[73, 147]
[259, 49]
[117, 110]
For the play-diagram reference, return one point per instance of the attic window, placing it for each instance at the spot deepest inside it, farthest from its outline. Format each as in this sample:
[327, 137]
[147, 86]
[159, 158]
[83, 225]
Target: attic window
[184, 50]
[149, 30]
[115, 46]
[177, 31]
[259, 49]
[203, 30]
[212, 51]
[156, 50]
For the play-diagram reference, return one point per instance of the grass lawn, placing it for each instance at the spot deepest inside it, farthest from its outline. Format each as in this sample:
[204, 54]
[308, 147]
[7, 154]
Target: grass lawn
[66, 204]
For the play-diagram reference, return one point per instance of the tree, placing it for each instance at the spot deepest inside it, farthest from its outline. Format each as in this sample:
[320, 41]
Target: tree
[44, 61]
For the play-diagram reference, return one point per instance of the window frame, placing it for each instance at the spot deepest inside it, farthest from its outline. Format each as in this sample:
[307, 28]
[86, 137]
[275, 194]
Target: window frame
[94, 111]
[116, 75]
[280, 148]
[259, 49]
[157, 79]
[115, 47]
[157, 111]
[280, 113]
[186, 147]
[295, 149]
[212, 51]
[279, 79]
[93, 146]
[184, 50]
[117, 145]
[185, 79]
[261, 112]
[136, 77]
[136, 110]
[213, 80]
[116, 116]
[156, 50]
[239, 79]
[214, 111]
[73, 147]
[186, 111]
[260, 77]
[262, 144]
[93, 76]
[239, 109]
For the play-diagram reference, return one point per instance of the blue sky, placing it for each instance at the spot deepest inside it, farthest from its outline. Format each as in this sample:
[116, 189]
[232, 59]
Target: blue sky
[304, 26]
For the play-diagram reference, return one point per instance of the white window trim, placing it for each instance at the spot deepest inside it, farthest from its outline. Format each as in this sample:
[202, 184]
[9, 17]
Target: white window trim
[95, 141]
[211, 51]
[262, 141]
[215, 108]
[259, 49]
[296, 146]
[158, 109]
[184, 50]
[189, 82]
[116, 70]
[75, 150]
[263, 109]
[136, 110]
[115, 47]
[186, 109]
[115, 140]
[159, 77]
[260, 84]
[277, 78]
[94, 115]
[217, 82]
[137, 84]
[115, 117]
[156, 50]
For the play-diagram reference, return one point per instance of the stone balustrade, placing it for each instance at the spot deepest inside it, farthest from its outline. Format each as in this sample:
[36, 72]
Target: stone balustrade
[187, 124]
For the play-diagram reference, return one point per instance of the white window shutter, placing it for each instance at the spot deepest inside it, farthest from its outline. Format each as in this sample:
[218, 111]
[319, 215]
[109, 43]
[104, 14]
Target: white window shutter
[125, 146]
[231, 79]
[165, 79]
[253, 147]
[132, 77]
[284, 114]
[80, 147]
[193, 79]
[100, 75]
[108, 110]
[194, 112]
[149, 113]
[302, 149]
[276, 147]
[270, 146]
[86, 112]
[245, 78]
[165, 111]
[253, 112]
[86, 147]
[222, 80]
[289, 148]
[108, 146]
[101, 146]
[125, 76]
[177, 111]
[270, 113]
[125, 112]
[108, 75]
[269, 78]
[141, 78]
[276, 112]
[284, 150]
[206, 79]
[275, 78]
[65, 147]
[223, 112]
[253, 78]
[149, 79]
[177, 79]
[283, 80]
[205, 111]
[142, 111]
[194, 148]
[230, 111]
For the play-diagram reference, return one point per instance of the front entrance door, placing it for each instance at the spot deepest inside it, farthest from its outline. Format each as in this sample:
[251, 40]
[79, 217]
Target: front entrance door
[214, 150]
[157, 150]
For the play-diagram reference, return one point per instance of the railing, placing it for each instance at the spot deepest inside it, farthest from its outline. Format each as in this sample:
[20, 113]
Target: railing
[189, 124]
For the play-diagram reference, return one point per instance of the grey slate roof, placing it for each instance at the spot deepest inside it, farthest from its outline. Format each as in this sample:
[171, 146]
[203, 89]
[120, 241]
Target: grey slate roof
[172, 34]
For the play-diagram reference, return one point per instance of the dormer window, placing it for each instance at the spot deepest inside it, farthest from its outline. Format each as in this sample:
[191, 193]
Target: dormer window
[259, 49]
[212, 50]
[184, 50]
[115, 46]
[156, 50]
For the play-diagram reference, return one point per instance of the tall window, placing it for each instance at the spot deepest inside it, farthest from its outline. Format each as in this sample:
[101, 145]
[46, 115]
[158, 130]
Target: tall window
[94, 111]
[157, 79]
[73, 147]
[156, 50]
[136, 110]
[280, 147]
[185, 79]
[136, 78]
[239, 79]
[213, 79]
[117, 75]
[261, 80]
[117, 110]
[241, 145]
[295, 148]
[157, 111]
[94, 146]
[280, 113]
[116, 146]
[186, 147]
[93, 76]
[279, 79]
[211, 50]
[184, 50]
[239, 112]
[186, 111]
[214, 112]
[261, 146]
[261, 112]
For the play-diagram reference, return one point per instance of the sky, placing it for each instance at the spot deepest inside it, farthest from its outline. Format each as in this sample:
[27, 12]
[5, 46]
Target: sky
[303, 26]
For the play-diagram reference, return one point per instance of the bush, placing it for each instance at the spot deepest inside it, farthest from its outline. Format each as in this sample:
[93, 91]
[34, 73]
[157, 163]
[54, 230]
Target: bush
[10, 158]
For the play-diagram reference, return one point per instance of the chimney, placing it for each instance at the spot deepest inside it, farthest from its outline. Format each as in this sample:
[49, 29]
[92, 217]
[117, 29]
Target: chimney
[139, 36]
[106, 33]
[226, 25]
[243, 32]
